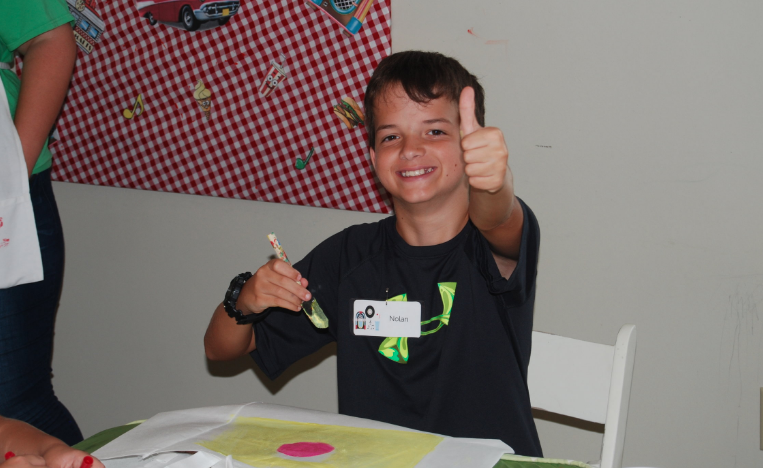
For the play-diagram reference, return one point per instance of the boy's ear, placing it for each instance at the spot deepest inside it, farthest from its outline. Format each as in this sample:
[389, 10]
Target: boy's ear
[373, 158]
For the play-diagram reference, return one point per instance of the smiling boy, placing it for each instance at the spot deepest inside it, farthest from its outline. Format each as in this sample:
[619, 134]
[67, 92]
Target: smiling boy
[460, 244]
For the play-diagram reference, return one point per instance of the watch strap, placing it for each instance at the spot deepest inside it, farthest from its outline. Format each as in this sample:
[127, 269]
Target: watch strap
[231, 298]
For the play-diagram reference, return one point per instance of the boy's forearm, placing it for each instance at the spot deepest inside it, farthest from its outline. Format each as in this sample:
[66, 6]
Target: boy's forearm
[48, 64]
[499, 217]
[225, 339]
[490, 210]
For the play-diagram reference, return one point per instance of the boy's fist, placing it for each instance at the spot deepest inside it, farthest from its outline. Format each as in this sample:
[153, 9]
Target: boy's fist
[275, 284]
[485, 153]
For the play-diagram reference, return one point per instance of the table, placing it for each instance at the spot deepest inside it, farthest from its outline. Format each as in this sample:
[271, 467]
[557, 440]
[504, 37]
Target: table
[102, 438]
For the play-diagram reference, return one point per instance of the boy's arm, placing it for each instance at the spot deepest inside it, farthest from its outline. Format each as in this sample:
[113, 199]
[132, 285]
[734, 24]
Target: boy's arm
[36, 448]
[275, 284]
[492, 206]
[225, 339]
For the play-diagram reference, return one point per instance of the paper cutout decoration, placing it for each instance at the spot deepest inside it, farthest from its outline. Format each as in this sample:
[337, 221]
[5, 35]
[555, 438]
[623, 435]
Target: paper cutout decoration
[275, 76]
[137, 109]
[349, 112]
[346, 13]
[188, 15]
[301, 164]
[203, 98]
[88, 28]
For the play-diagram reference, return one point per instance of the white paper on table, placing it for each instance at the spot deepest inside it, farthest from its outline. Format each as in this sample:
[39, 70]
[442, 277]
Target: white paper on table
[171, 460]
[166, 429]
[157, 461]
[177, 431]
[197, 460]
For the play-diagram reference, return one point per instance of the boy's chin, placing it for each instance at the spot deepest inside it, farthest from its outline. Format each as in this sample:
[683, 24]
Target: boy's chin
[429, 200]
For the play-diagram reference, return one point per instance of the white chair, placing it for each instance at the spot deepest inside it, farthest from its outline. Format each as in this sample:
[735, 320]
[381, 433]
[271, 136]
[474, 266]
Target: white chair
[587, 381]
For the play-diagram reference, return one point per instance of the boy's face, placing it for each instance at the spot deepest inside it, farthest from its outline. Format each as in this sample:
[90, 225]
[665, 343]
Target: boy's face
[418, 156]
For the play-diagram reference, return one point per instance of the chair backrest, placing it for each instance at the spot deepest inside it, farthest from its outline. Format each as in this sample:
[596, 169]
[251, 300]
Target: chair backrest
[588, 381]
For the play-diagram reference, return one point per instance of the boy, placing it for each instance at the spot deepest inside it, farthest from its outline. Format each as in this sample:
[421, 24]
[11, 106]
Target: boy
[460, 243]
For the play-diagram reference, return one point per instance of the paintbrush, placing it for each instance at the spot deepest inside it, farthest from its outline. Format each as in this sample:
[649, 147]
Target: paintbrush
[316, 314]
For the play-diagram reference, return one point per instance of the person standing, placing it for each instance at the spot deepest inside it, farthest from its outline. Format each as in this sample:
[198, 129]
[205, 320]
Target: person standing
[41, 32]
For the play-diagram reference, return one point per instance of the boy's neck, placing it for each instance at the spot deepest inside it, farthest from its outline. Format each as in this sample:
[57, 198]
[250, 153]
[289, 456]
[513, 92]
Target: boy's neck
[421, 227]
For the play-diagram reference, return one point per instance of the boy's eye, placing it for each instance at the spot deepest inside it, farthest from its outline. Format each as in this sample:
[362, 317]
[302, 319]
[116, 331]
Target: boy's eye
[436, 132]
[388, 138]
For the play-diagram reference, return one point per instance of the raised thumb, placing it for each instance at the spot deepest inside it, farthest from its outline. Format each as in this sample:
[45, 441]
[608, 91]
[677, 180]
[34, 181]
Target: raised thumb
[466, 109]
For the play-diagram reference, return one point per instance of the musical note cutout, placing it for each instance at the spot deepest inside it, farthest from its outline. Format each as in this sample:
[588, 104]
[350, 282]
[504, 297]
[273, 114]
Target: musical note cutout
[137, 108]
[300, 164]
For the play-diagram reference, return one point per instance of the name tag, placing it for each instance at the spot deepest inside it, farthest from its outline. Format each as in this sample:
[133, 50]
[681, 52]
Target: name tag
[386, 318]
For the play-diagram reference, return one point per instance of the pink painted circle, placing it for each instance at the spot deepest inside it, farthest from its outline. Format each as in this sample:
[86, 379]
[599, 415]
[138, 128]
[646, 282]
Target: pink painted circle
[305, 449]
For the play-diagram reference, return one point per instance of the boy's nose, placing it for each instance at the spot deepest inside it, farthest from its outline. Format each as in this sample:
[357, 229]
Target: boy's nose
[412, 148]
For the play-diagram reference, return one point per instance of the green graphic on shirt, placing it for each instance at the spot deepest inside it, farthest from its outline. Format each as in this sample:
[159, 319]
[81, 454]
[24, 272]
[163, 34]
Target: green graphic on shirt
[396, 348]
[447, 294]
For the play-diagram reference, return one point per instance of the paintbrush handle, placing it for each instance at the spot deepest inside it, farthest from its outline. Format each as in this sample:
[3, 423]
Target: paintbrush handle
[280, 253]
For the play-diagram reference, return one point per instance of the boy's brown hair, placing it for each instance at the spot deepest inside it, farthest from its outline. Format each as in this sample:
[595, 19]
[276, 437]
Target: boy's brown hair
[424, 76]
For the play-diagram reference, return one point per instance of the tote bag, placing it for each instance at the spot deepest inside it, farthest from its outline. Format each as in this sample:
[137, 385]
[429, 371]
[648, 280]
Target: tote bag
[20, 260]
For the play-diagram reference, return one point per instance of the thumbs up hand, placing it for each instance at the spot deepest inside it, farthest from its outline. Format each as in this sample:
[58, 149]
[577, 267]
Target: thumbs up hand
[485, 153]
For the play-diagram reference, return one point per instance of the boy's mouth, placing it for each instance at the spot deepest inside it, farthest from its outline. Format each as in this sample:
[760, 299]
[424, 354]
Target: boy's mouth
[417, 172]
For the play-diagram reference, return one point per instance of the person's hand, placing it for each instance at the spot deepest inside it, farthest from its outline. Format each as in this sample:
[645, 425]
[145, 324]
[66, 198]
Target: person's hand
[23, 461]
[63, 456]
[485, 153]
[275, 284]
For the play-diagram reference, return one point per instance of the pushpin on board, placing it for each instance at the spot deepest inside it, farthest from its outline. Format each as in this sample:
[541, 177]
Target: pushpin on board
[316, 314]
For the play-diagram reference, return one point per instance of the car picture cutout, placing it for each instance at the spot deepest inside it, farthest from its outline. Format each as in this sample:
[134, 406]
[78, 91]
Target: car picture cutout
[188, 14]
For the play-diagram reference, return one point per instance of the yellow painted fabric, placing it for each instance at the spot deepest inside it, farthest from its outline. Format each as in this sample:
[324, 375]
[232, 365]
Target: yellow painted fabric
[255, 441]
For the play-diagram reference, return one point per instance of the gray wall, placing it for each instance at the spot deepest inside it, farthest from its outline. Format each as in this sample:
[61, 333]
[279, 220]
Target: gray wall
[635, 131]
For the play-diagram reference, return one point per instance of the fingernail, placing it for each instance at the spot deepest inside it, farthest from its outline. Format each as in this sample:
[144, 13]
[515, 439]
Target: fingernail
[299, 276]
[307, 296]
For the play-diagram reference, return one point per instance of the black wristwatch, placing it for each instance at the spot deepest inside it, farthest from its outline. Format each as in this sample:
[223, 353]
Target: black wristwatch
[231, 297]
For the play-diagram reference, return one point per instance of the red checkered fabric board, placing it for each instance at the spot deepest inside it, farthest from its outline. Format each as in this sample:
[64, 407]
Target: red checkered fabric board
[249, 146]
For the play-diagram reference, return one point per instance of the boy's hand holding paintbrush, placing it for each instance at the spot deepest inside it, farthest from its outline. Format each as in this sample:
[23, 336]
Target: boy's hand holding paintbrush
[275, 284]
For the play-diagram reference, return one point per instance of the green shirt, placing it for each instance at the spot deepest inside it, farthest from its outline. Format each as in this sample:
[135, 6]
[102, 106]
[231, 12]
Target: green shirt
[20, 21]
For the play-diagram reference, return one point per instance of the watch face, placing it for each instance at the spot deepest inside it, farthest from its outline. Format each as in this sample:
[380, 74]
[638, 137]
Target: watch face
[231, 296]
[233, 289]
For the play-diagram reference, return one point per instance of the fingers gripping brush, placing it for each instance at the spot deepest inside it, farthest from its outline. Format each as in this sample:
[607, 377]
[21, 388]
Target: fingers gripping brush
[316, 314]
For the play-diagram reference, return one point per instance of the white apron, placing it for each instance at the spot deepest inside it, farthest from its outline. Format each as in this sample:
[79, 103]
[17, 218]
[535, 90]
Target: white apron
[20, 260]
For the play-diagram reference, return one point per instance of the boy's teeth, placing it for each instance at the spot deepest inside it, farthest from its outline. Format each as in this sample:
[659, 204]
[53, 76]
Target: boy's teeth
[417, 173]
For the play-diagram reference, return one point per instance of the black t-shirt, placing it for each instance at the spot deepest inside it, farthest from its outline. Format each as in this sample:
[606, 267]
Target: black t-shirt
[468, 378]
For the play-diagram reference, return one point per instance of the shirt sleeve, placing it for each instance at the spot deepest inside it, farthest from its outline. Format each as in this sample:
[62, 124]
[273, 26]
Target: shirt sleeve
[283, 336]
[22, 20]
[519, 287]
